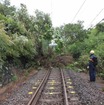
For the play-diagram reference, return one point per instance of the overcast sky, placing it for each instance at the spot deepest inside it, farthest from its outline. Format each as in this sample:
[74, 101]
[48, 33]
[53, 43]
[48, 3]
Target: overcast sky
[64, 11]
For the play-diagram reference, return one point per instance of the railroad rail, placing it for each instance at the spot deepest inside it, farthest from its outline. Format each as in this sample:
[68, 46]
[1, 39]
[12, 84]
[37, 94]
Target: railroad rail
[35, 96]
[55, 89]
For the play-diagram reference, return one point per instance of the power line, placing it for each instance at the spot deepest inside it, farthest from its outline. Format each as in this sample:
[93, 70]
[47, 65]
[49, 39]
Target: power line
[96, 16]
[79, 10]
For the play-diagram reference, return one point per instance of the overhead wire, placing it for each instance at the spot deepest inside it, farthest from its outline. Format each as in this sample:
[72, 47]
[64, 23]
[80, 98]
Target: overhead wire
[96, 16]
[78, 11]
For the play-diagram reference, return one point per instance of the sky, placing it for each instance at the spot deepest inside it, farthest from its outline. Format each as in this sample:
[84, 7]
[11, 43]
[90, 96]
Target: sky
[66, 11]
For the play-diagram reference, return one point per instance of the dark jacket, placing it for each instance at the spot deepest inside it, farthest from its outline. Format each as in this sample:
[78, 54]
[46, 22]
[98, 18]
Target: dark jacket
[92, 57]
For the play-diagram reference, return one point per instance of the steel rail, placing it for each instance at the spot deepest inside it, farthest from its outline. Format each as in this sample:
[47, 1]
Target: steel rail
[64, 88]
[38, 91]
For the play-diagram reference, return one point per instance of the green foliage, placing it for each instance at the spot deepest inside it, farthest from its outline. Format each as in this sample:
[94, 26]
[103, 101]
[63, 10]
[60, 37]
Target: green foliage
[69, 37]
[100, 27]
[5, 42]
[79, 42]
[45, 46]
[6, 9]
[44, 31]
[74, 32]
[83, 60]
[95, 41]
[24, 38]
[74, 67]
[43, 25]
[23, 46]
[14, 78]
[75, 51]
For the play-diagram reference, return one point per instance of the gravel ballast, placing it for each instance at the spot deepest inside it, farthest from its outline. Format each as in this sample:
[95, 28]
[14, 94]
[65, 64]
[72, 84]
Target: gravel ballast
[20, 95]
[88, 91]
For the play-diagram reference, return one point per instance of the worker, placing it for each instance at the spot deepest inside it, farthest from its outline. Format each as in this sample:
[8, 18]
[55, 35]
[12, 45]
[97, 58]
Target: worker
[92, 66]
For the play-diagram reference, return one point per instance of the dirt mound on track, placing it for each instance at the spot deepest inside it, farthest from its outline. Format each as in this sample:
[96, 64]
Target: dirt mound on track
[64, 59]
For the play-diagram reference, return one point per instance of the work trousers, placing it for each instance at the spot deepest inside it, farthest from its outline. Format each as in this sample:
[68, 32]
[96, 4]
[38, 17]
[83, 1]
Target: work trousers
[92, 72]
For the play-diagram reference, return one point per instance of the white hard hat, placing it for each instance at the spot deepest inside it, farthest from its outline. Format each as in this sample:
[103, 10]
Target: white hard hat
[92, 52]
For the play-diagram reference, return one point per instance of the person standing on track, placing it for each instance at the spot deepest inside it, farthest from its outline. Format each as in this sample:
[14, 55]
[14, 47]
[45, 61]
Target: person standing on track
[92, 66]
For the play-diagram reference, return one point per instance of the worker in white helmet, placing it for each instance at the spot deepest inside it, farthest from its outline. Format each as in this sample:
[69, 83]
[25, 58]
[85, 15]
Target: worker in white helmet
[92, 66]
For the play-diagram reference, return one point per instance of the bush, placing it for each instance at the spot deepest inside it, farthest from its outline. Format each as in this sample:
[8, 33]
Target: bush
[83, 61]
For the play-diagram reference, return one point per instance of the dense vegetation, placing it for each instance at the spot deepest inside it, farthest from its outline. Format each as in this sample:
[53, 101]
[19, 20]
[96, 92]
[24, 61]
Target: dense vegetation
[25, 39]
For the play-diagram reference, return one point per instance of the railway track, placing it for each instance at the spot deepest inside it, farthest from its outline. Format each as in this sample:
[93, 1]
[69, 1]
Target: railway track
[56, 88]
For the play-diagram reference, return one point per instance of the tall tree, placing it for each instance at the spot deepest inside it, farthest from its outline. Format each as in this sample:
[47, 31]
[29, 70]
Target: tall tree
[74, 32]
[44, 30]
